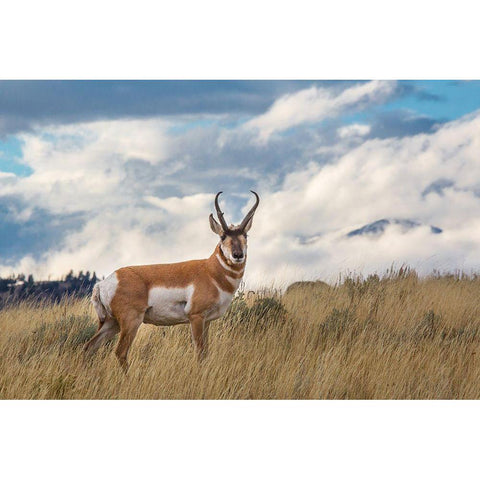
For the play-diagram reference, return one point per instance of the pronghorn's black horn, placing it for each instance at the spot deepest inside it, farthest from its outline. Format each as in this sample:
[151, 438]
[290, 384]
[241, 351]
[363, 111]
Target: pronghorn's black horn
[223, 223]
[249, 215]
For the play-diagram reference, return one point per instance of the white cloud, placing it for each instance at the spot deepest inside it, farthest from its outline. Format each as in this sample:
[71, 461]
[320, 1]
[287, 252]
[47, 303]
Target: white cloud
[378, 179]
[5, 175]
[79, 167]
[354, 130]
[130, 235]
[118, 172]
[314, 104]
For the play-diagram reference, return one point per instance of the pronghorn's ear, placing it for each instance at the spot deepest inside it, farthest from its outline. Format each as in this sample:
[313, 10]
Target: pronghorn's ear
[248, 226]
[215, 226]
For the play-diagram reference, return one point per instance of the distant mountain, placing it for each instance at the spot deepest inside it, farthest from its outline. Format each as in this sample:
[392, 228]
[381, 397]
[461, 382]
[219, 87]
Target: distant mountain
[378, 227]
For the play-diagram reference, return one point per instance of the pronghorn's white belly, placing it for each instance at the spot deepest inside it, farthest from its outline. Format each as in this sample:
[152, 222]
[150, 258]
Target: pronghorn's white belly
[168, 306]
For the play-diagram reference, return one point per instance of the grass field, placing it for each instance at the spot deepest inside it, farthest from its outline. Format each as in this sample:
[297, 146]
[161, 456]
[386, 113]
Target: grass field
[394, 337]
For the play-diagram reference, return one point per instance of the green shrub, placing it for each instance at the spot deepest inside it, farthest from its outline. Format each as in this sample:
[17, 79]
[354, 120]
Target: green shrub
[428, 327]
[237, 311]
[337, 322]
[265, 312]
[67, 333]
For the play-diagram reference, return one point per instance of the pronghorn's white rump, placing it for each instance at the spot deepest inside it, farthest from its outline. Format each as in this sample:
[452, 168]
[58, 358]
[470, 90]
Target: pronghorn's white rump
[194, 292]
[97, 303]
[107, 289]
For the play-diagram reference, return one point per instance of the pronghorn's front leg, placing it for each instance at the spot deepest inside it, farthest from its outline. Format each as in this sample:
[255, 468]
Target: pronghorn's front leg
[199, 334]
[206, 326]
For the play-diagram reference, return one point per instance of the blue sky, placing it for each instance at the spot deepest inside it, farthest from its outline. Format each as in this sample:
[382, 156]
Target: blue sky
[86, 165]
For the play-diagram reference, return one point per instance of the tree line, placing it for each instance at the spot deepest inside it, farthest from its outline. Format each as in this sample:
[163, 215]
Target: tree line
[22, 287]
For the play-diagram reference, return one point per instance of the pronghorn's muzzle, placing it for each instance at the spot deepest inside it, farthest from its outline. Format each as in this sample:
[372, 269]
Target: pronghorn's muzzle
[238, 256]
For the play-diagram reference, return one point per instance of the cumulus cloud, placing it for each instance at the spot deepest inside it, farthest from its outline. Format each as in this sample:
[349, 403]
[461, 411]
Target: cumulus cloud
[353, 130]
[105, 194]
[314, 104]
[115, 178]
[5, 175]
[80, 167]
[378, 179]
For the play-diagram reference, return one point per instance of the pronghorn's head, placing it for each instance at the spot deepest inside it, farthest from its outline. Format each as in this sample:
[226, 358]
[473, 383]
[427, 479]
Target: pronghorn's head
[233, 238]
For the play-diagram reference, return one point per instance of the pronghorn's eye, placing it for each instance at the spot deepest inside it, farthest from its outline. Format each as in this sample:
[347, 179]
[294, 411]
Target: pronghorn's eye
[223, 237]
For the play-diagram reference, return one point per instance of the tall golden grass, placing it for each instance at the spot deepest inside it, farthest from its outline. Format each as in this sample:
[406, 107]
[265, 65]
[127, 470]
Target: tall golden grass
[395, 337]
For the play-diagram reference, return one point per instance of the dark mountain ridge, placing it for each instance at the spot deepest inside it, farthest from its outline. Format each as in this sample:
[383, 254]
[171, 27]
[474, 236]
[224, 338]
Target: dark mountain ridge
[379, 226]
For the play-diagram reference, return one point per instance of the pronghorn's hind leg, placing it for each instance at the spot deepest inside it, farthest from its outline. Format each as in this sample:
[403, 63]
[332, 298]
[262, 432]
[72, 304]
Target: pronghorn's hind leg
[129, 323]
[107, 324]
[107, 330]
[98, 305]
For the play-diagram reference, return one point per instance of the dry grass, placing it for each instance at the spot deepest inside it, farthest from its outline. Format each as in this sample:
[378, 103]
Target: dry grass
[392, 338]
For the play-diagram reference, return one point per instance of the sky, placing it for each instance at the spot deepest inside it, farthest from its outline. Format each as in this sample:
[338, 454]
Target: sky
[95, 175]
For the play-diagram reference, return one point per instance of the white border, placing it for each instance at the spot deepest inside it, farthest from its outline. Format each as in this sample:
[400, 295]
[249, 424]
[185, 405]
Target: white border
[238, 440]
[241, 40]
[214, 39]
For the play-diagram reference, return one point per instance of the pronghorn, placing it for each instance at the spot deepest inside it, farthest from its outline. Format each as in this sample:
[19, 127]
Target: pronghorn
[194, 292]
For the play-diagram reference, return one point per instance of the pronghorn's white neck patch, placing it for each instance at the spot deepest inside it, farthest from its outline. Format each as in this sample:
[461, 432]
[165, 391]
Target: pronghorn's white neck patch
[234, 282]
